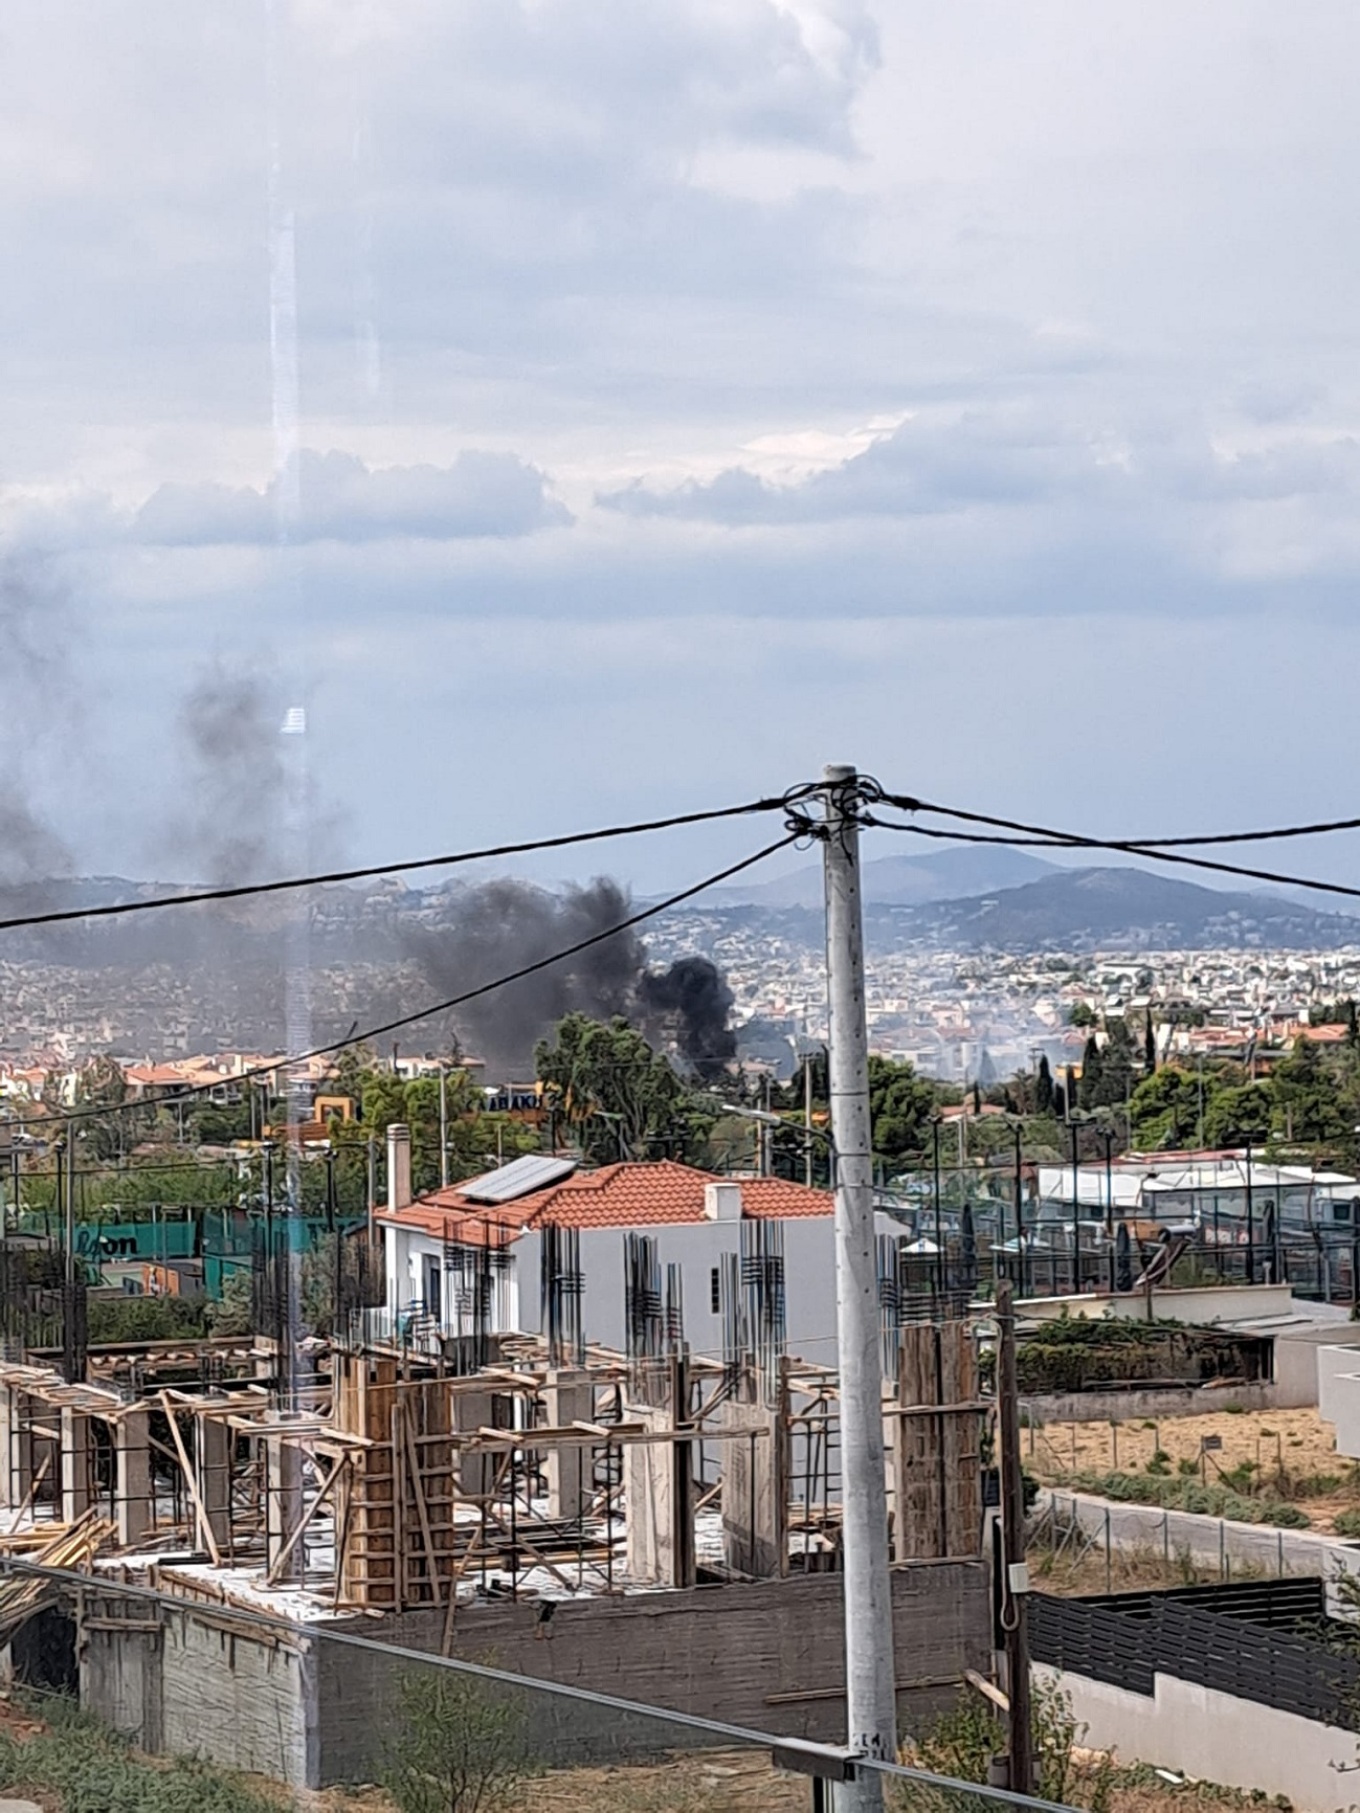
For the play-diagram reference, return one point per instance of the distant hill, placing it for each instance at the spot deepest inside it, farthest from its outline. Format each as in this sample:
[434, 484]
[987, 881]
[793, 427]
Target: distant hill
[1072, 907]
[911, 879]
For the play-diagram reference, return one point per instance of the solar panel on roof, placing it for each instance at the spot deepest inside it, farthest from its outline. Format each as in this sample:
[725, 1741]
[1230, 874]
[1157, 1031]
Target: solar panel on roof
[521, 1177]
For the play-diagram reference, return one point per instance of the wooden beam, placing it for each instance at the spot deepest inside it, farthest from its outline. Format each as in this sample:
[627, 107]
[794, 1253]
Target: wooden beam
[204, 1525]
[304, 1523]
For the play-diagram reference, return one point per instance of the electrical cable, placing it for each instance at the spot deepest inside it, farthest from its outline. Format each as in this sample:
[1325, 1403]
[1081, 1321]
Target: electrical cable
[1046, 836]
[198, 896]
[353, 1037]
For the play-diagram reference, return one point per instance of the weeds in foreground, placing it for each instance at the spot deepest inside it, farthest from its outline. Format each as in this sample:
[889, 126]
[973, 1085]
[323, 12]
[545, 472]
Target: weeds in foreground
[962, 1743]
[93, 1770]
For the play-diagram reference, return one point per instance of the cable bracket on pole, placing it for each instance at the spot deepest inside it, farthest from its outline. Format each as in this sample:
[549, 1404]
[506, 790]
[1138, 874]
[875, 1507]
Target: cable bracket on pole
[853, 796]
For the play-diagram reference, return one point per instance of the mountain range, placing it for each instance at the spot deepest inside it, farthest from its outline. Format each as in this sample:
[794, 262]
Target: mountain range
[907, 880]
[1071, 908]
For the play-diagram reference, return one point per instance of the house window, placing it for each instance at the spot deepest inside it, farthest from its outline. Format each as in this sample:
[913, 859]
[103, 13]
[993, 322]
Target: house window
[433, 1293]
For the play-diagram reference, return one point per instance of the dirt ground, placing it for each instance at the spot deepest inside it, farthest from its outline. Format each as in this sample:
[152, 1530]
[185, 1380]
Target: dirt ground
[1288, 1448]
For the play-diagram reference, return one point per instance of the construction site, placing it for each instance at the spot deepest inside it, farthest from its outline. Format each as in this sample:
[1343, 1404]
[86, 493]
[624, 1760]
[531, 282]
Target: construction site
[649, 1521]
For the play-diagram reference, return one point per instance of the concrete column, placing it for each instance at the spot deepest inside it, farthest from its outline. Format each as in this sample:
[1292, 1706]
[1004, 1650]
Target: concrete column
[16, 1446]
[213, 1439]
[474, 1410]
[283, 1499]
[657, 1502]
[568, 1397]
[133, 1506]
[76, 1489]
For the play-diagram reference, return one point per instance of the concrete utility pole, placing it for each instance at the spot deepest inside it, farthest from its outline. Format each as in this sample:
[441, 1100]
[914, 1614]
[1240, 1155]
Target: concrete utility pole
[870, 1676]
[443, 1126]
[1016, 1580]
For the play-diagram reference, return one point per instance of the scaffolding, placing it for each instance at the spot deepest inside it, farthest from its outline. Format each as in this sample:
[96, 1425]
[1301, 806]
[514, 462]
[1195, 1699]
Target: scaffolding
[385, 1480]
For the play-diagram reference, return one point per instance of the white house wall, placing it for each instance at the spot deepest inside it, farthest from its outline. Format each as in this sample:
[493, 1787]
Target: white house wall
[698, 1248]
[1216, 1737]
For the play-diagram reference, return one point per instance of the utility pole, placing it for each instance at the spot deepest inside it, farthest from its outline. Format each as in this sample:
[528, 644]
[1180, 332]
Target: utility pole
[372, 1182]
[1015, 1578]
[443, 1126]
[870, 1676]
[807, 1119]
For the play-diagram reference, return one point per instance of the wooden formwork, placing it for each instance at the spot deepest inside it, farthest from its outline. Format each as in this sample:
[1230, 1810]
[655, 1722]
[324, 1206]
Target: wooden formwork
[395, 1499]
[935, 1429]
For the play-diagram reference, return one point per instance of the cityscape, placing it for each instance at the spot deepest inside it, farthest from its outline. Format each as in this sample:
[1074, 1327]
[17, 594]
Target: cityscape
[679, 907]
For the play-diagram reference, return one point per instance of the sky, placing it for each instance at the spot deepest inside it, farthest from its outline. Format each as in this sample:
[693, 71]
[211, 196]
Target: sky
[688, 393]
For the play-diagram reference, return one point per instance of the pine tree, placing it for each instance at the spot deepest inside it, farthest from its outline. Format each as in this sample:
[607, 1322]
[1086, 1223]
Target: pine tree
[1149, 1046]
[1092, 1074]
[1043, 1088]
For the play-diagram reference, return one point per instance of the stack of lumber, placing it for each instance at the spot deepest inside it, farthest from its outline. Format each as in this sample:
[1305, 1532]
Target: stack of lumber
[73, 1546]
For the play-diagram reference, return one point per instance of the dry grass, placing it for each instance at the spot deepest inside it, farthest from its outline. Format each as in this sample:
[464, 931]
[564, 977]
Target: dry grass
[1287, 1449]
[1075, 1572]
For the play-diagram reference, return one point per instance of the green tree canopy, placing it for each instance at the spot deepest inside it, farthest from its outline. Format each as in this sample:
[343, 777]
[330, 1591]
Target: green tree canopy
[901, 1104]
[1164, 1111]
[621, 1098]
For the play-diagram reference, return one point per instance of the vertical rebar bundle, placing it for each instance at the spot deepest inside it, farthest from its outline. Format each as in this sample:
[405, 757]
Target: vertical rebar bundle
[891, 1296]
[762, 1277]
[561, 1287]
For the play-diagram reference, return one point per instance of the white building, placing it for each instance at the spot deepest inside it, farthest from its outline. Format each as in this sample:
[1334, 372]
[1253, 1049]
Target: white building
[469, 1259]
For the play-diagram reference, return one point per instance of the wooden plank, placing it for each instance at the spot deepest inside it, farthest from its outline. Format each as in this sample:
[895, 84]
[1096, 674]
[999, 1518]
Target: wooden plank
[204, 1523]
[422, 1509]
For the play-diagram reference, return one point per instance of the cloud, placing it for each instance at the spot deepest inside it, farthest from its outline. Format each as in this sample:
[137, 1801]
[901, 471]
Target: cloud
[1008, 459]
[342, 499]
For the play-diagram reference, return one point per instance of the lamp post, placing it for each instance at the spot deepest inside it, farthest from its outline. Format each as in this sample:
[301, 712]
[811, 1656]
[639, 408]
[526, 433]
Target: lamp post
[1107, 1134]
[1017, 1129]
[939, 1219]
[1076, 1205]
[1251, 1225]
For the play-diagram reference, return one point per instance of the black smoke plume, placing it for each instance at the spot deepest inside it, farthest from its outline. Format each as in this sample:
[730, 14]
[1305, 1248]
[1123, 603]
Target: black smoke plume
[230, 822]
[491, 930]
[692, 999]
[34, 655]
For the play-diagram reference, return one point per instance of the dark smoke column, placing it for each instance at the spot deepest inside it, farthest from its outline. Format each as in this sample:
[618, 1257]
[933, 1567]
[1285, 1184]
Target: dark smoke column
[693, 998]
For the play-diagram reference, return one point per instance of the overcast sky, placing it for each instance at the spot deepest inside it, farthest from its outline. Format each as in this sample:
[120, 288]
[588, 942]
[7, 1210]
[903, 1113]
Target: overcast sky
[690, 392]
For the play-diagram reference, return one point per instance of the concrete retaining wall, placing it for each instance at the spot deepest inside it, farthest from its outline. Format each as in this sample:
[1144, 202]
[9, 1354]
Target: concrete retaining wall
[768, 1656]
[203, 1685]
[1127, 1405]
[1217, 1737]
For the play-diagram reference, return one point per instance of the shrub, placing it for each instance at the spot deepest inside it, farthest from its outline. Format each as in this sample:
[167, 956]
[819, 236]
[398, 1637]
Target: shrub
[1186, 1494]
[459, 1746]
[146, 1318]
[1347, 1523]
[1315, 1485]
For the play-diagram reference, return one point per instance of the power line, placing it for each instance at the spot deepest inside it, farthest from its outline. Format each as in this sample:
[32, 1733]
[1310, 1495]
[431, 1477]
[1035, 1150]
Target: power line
[353, 1037]
[1046, 837]
[197, 897]
[1052, 839]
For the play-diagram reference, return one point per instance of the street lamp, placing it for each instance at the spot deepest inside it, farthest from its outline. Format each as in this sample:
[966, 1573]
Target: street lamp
[1017, 1129]
[939, 1223]
[1076, 1203]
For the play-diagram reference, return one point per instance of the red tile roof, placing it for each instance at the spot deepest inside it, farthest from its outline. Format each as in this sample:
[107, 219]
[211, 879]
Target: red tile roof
[663, 1194]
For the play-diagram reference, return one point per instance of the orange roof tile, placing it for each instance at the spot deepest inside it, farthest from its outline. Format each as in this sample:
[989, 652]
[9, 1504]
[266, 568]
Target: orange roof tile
[661, 1194]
